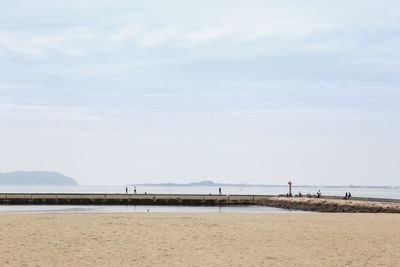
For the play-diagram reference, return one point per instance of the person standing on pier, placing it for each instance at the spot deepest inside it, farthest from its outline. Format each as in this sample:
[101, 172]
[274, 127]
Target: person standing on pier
[219, 190]
[126, 190]
[134, 190]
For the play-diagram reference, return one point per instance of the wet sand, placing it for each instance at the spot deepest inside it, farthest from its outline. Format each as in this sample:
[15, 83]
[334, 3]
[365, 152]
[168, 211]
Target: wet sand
[198, 239]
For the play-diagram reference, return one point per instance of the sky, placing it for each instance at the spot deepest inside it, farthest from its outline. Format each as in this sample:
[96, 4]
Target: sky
[258, 92]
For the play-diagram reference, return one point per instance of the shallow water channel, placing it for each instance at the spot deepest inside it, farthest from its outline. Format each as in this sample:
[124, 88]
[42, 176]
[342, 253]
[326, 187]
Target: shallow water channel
[117, 209]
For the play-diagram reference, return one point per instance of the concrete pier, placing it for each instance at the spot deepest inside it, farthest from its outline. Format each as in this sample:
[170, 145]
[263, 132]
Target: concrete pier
[324, 204]
[131, 199]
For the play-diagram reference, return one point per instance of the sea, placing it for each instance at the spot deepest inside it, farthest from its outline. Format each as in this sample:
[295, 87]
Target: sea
[373, 192]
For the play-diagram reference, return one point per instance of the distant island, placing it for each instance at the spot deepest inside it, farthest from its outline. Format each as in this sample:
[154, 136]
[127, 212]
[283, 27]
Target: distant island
[202, 183]
[35, 178]
[207, 183]
[211, 183]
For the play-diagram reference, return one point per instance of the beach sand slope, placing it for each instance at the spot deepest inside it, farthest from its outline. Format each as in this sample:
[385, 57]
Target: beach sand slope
[199, 239]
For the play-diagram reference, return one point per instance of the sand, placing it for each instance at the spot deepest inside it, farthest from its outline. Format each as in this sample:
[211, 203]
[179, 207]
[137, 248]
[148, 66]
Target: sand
[199, 239]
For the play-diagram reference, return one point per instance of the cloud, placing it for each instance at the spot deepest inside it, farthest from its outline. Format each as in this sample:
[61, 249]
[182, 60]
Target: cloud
[248, 80]
[179, 32]
[239, 26]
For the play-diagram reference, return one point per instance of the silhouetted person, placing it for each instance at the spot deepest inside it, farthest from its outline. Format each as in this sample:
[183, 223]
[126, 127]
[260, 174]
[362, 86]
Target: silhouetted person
[126, 190]
[300, 195]
[134, 190]
[318, 194]
[219, 190]
[349, 195]
[345, 196]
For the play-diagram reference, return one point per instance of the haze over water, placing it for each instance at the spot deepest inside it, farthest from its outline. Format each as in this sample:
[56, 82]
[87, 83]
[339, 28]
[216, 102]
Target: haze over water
[378, 192]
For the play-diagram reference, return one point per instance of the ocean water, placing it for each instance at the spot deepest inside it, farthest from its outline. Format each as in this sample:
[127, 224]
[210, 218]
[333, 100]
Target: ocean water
[127, 209]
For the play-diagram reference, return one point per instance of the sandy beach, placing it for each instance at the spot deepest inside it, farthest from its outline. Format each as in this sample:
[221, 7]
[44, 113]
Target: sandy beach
[198, 239]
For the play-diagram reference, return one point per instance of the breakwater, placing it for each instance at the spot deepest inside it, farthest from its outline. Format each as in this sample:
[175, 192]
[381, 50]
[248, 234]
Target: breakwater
[335, 204]
[324, 204]
[131, 199]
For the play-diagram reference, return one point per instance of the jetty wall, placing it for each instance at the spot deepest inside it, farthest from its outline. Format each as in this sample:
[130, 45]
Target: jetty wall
[324, 204]
[131, 199]
[335, 204]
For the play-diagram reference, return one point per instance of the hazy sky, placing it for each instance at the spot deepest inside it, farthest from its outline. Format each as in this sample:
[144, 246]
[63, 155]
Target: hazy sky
[116, 92]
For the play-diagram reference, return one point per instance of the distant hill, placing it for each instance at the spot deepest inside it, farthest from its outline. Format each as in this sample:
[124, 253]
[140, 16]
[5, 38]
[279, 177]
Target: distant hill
[211, 183]
[35, 178]
[201, 183]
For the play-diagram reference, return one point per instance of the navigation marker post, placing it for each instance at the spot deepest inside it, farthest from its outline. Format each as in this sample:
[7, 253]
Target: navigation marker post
[290, 188]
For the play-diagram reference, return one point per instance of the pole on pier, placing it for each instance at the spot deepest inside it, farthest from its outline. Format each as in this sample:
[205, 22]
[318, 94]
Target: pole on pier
[290, 188]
